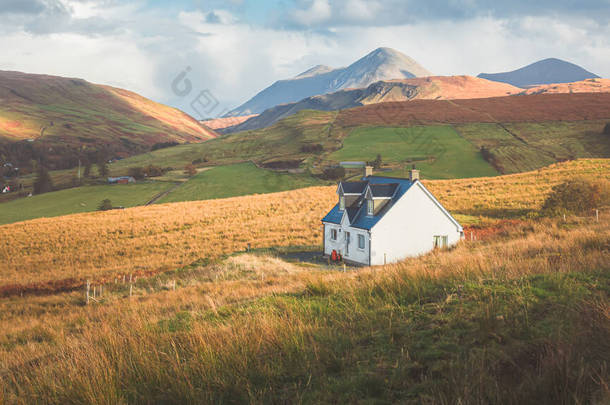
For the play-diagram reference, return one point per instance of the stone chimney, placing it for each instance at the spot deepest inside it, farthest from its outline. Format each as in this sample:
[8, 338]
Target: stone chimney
[414, 174]
[368, 171]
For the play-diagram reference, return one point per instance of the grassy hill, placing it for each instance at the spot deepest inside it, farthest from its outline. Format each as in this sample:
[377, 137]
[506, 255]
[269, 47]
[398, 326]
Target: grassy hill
[507, 318]
[444, 138]
[438, 151]
[217, 182]
[79, 199]
[235, 180]
[69, 115]
[525, 133]
[166, 236]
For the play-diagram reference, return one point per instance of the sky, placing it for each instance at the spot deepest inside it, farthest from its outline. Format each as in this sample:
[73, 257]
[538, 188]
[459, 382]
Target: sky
[221, 53]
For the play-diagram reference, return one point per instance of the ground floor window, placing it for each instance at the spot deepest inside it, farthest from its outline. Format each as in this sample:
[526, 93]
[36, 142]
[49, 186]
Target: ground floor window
[333, 234]
[441, 241]
[360, 241]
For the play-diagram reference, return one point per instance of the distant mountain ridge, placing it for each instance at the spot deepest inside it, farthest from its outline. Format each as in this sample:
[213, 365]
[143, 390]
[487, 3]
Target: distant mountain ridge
[425, 88]
[546, 71]
[381, 64]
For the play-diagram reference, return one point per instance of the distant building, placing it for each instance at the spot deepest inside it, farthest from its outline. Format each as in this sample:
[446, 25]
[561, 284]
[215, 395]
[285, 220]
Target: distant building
[352, 165]
[121, 180]
[381, 220]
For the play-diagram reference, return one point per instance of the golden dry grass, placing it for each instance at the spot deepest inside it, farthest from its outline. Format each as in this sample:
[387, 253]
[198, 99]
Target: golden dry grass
[99, 351]
[154, 239]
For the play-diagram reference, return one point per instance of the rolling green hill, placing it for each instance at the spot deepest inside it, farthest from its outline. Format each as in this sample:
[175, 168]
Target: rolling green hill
[217, 182]
[79, 199]
[512, 146]
[235, 180]
[463, 144]
[60, 118]
[438, 151]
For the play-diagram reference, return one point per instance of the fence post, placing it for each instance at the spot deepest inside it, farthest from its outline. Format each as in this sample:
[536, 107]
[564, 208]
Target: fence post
[88, 286]
[130, 290]
[596, 215]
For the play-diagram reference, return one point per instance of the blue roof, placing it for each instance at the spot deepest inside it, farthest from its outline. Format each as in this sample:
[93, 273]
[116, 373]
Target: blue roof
[360, 219]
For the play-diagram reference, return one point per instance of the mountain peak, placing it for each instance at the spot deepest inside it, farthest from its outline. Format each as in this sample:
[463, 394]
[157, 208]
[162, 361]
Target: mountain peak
[380, 64]
[545, 71]
[314, 71]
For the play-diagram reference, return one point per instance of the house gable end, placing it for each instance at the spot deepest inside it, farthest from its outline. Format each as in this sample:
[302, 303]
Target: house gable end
[439, 205]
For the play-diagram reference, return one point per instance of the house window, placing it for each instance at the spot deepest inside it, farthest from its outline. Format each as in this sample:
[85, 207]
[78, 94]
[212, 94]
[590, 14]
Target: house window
[361, 242]
[333, 234]
[441, 241]
[341, 203]
[369, 207]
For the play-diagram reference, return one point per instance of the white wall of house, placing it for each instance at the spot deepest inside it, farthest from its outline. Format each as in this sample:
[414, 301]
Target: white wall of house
[409, 227]
[354, 253]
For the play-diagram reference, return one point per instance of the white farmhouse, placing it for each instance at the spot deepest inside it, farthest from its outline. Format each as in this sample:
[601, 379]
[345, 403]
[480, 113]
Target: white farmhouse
[381, 220]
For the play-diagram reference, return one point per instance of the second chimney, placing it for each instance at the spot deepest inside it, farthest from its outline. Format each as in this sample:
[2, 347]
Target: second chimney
[414, 174]
[368, 171]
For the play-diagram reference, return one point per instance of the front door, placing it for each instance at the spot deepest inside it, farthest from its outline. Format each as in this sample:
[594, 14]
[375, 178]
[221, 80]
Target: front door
[347, 239]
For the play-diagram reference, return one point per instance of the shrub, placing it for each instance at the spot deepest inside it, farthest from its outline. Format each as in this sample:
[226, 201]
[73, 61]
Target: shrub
[136, 172]
[43, 182]
[333, 173]
[163, 145]
[376, 163]
[576, 196]
[607, 129]
[199, 161]
[102, 168]
[190, 170]
[153, 171]
[105, 205]
[139, 173]
[312, 148]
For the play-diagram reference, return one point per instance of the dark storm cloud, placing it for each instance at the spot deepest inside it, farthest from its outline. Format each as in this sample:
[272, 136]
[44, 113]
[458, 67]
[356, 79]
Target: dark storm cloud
[42, 17]
[398, 12]
[21, 6]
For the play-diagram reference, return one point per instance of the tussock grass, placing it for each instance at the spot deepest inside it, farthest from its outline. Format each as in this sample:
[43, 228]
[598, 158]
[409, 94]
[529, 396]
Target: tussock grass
[520, 317]
[154, 239]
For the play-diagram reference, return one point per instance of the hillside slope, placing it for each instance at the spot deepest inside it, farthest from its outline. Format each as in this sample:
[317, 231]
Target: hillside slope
[583, 86]
[67, 114]
[424, 88]
[381, 64]
[546, 71]
[511, 314]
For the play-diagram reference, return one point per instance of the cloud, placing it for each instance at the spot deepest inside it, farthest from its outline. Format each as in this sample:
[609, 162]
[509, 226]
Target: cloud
[143, 49]
[21, 7]
[316, 12]
[398, 12]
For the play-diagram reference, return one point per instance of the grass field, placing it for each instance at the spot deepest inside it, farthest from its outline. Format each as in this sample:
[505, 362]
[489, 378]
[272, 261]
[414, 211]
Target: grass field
[162, 237]
[517, 317]
[438, 151]
[441, 151]
[517, 147]
[281, 141]
[80, 199]
[236, 180]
